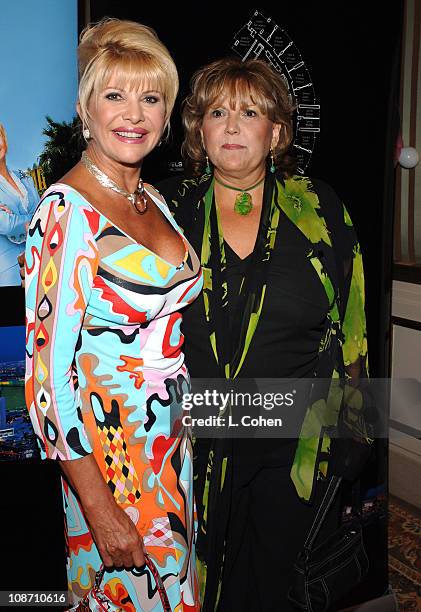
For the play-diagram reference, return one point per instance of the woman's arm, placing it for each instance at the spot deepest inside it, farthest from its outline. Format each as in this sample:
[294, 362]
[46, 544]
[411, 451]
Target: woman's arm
[116, 537]
[61, 262]
[353, 448]
[12, 223]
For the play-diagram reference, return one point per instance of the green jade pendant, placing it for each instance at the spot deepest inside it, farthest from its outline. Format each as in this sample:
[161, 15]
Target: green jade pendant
[243, 203]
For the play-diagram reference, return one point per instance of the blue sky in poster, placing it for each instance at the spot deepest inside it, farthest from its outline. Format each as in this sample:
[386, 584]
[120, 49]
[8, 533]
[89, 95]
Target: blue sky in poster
[38, 71]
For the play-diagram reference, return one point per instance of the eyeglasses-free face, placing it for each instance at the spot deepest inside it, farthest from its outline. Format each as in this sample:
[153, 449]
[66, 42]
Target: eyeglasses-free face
[238, 140]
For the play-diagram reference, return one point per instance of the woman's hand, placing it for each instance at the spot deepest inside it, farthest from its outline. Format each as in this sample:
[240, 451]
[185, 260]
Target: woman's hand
[117, 539]
[5, 209]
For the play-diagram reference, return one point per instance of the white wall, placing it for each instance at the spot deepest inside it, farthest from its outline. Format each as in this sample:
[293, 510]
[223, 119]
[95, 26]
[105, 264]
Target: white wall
[405, 449]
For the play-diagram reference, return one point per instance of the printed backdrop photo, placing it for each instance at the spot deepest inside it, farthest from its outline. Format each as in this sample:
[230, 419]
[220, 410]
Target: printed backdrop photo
[38, 79]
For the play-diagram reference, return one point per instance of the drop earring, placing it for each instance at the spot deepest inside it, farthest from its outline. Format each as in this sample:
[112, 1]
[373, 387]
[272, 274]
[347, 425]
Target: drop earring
[86, 133]
[208, 169]
[272, 162]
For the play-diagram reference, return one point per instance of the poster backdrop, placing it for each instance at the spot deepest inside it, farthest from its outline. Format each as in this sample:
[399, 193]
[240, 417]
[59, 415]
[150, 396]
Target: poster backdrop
[38, 78]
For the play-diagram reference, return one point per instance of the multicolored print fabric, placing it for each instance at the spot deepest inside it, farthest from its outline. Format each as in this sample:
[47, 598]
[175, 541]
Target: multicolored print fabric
[105, 375]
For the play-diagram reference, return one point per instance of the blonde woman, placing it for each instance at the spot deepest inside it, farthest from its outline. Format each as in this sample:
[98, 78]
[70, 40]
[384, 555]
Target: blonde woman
[18, 200]
[107, 274]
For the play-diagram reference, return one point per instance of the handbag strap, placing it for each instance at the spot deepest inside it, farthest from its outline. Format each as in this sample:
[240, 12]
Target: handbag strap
[327, 500]
[159, 584]
[154, 571]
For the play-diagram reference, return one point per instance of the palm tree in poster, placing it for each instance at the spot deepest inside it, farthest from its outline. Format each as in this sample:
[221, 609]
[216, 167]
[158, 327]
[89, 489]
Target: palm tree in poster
[62, 149]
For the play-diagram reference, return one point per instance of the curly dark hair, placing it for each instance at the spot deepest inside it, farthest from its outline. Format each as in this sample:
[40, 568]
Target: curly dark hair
[252, 79]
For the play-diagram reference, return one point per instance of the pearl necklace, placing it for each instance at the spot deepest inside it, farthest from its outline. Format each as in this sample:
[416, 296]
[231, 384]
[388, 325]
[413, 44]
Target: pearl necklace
[137, 198]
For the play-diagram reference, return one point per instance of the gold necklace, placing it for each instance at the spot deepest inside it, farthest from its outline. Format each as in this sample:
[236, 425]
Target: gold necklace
[137, 198]
[243, 202]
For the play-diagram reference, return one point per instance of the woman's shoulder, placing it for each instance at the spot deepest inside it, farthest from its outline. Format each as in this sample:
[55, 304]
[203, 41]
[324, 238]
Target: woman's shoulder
[322, 189]
[66, 193]
[325, 191]
[336, 216]
[330, 204]
[153, 191]
[67, 204]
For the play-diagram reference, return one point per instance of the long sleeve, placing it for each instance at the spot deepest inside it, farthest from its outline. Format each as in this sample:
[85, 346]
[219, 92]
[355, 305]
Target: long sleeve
[12, 223]
[343, 351]
[351, 449]
[61, 261]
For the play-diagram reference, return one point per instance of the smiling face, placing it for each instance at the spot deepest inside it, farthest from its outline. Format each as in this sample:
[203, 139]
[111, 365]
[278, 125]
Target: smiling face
[237, 138]
[125, 123]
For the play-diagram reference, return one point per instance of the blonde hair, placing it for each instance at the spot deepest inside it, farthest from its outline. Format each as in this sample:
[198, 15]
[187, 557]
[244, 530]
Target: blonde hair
[3, 136]
[239, 81]
[129, 51]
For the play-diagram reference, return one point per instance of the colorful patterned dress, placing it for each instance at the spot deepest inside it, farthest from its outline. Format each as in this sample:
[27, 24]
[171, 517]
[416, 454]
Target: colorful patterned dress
[105, 374]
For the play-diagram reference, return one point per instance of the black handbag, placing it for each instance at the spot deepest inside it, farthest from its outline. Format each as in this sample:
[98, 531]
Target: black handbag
[325, 573]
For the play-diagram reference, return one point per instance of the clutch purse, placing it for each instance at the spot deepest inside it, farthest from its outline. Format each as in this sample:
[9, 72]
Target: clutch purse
[96, 600]
[325, 573]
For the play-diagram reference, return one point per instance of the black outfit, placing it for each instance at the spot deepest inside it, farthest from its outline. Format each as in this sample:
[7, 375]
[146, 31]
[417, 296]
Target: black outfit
[260, 548]
[267, 522]
[286, 341]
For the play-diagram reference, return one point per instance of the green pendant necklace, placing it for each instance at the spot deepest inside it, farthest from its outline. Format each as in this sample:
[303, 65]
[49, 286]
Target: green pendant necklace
[243, 202]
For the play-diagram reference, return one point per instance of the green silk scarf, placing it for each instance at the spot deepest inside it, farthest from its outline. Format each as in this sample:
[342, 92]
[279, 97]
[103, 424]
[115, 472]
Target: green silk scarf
[343, 343]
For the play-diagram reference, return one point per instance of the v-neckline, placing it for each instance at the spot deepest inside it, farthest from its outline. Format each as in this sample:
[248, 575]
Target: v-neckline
[139, 244]
[233, 252]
